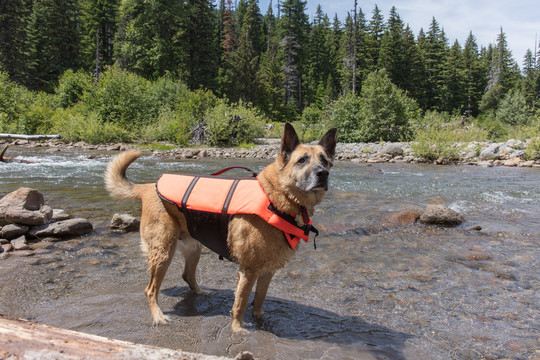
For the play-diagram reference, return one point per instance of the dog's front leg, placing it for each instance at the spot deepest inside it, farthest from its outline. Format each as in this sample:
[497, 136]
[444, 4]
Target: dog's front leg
[244, 284]
[260, 292]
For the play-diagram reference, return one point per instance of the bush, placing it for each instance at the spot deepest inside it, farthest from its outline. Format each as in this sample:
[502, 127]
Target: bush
[513, 109]
[382, 113]
[313, 124]
[71, 87]
[232, 125]
[122, 98]
[346, 113]
[77, 125]
[440, 136]
[22, 111]
[533, 150]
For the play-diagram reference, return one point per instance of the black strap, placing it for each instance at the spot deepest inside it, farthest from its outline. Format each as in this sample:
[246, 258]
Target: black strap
[184, 202]
[224, 219]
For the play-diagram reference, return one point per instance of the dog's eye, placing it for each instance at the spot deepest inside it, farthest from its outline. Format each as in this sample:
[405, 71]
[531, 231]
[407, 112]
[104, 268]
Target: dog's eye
[302, 160]
[324, 162]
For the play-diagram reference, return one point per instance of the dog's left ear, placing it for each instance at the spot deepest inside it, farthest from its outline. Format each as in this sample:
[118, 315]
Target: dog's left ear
[328, 142]
[289, 141]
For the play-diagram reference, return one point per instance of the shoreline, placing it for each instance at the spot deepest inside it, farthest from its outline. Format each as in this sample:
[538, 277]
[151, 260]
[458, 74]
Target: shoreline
[487, 154]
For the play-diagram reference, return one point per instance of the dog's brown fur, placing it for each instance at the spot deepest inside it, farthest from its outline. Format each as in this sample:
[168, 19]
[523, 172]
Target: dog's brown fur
[297, 178]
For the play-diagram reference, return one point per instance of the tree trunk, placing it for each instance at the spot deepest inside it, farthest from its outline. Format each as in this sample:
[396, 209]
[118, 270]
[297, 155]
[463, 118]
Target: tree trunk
[30, 137]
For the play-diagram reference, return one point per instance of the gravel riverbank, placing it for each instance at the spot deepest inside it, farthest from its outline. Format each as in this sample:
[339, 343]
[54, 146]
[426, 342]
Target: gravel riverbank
[509, 153]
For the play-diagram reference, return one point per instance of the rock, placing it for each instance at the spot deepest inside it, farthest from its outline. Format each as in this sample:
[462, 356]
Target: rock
[65, 228]
[403, 218]
[7, 247]
[512, 162]
[490, 153]
[27, 217]
[23, 198]
[125, 222]
[12, 231]
[441, 215]
[392, 149]
[20, 244]
[60, 215]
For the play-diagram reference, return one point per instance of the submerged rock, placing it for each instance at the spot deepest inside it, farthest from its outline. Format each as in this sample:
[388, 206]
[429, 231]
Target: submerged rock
[125, 222]
[65, 228]
[441, 215]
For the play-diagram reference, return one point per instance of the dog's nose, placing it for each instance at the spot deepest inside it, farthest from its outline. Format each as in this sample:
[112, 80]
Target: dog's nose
[322, 174]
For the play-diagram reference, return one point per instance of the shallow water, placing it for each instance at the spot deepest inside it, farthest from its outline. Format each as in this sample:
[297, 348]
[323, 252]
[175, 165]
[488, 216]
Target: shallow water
[369, 291]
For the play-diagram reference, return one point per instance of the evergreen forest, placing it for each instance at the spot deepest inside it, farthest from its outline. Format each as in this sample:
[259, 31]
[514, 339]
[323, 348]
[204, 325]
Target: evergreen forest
[171, 70]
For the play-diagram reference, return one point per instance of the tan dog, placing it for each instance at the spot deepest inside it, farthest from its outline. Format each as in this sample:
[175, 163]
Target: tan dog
[297, 179]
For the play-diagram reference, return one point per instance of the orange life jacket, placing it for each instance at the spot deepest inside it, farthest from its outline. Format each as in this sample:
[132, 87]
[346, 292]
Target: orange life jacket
[208, 202]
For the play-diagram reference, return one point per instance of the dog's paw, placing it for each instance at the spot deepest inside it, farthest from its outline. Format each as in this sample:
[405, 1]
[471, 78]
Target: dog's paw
[258, 314]
[237, 328]
[161, 319]
[202, 292]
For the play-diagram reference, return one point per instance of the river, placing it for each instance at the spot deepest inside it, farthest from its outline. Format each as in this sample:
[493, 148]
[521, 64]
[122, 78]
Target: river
[369, 291]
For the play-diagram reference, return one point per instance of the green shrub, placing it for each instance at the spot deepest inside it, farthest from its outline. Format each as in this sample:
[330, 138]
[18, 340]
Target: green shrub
[74, 124]
[439, 136]
[313, 123]
[232, 124]
[533, 150]
[513, 109]
[346, 113]
[382, 113]
[169, 126]
[122, 98]
[71, 87]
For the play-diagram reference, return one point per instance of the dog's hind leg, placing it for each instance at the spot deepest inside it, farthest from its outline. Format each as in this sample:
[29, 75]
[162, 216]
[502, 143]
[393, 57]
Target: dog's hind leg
[244, 284]
[191, 250]
[260, 292]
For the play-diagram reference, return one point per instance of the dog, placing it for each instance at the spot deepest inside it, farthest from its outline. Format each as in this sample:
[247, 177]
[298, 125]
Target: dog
[294, 183]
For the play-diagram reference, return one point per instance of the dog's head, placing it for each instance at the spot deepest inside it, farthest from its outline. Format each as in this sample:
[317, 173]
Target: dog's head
[305, 168]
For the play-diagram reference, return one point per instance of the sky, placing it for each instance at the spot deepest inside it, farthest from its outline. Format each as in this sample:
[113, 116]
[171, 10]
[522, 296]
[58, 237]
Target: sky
[519, 19]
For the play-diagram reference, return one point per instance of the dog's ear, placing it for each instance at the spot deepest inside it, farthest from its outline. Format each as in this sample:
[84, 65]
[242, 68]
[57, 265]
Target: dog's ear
[328, 142]
[289, 141]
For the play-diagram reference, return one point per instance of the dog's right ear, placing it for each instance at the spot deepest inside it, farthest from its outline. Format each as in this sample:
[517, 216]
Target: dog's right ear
[289, 141]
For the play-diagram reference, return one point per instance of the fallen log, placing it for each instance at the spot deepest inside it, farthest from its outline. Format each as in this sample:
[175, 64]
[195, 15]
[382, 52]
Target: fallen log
[23, 339]
[11, 160]
[30, 137]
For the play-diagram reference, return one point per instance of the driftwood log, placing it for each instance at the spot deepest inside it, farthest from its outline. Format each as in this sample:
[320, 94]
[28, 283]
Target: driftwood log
[8, 159]
[22, 339]
[30, 137]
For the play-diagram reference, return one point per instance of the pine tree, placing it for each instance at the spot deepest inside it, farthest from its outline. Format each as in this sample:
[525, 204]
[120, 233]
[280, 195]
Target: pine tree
[148, 41]
[375, 31]
[475, 76]
[14, 16]
[433, 48]
[392, 53]
[294, 30]
[199, 43]
[52, 42]
[454, 91]
[319, 56]
[530, 80]
[98, 27]
[503, 74]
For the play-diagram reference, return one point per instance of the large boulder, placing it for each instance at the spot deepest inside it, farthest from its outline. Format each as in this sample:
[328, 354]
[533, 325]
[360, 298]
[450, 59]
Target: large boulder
[441, 215]
[65, 228]
[392, 149]
[24, 206]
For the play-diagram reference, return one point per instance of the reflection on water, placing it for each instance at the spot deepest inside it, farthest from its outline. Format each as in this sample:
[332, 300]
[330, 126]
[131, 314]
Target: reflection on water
[413, 292]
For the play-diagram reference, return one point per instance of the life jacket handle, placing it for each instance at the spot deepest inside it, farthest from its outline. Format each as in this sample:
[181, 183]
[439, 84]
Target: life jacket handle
[253, 173]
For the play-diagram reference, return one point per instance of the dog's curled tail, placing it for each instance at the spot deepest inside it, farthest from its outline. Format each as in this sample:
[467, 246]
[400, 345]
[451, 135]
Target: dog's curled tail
[116, 182]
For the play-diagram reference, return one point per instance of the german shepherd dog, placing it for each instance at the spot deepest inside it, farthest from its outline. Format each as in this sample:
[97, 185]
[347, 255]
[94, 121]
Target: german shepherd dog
[297, 179]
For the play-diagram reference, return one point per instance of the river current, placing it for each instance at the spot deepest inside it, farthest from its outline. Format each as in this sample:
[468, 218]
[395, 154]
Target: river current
[371, 289]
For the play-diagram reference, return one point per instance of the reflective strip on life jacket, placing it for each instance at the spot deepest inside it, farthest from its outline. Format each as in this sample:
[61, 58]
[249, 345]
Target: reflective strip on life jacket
[209, 194]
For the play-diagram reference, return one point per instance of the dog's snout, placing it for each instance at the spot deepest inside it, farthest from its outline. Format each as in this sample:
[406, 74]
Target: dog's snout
[322, 174]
